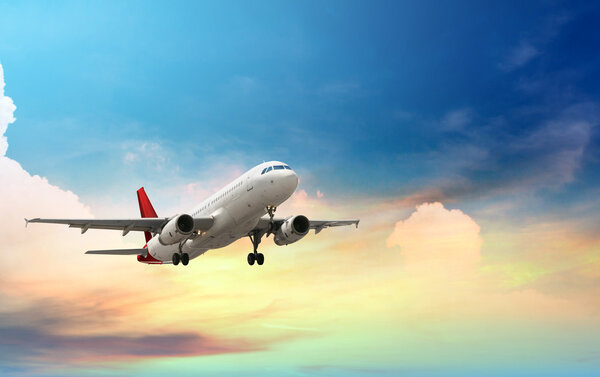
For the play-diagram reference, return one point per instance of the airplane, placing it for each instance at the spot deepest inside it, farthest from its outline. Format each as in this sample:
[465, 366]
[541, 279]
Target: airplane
[237, 210]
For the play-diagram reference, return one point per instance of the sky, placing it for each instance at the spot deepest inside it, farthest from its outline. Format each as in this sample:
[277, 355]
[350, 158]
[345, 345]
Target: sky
[464, 135]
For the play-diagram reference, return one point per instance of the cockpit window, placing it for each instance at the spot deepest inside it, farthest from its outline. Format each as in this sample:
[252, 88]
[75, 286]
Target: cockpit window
[278, 167]
[287, 167]
[264, 171]
[269, 169]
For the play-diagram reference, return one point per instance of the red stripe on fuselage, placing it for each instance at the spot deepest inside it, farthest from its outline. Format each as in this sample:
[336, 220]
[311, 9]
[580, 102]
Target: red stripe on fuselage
[149, 259]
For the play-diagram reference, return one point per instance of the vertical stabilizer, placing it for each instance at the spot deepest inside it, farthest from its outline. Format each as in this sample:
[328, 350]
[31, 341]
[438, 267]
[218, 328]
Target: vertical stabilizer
[146, 209]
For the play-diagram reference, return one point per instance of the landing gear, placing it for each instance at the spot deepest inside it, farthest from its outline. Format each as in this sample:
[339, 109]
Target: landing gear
[259, 258]
[271, 211]
[183, 258]
[255, 256]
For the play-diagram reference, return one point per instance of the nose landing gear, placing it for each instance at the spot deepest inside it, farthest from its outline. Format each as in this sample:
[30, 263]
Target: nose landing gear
[271, 211]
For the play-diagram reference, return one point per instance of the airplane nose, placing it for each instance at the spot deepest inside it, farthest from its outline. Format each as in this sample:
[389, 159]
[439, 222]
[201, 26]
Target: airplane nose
[290, 180]
[279, 185]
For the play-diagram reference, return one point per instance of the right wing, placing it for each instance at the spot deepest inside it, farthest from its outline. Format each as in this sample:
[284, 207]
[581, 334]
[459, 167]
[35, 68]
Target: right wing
[153, 225]
[317, 225]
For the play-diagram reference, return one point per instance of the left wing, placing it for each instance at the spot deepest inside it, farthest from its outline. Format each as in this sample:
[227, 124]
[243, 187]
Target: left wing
[153, 225]
[317, 225]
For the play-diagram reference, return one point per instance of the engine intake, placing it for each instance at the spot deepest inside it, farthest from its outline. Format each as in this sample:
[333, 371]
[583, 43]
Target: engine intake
[292, 230]
[176, 230]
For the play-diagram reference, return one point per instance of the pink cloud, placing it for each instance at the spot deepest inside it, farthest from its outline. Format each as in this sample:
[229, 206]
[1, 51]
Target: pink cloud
[434, 234]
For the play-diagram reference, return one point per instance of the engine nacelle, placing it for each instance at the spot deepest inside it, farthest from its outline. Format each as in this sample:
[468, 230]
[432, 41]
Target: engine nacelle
[292, 230]
[176, 230]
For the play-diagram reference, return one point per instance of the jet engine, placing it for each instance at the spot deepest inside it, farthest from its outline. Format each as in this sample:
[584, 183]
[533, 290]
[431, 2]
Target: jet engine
[176, 230]
[292, 230]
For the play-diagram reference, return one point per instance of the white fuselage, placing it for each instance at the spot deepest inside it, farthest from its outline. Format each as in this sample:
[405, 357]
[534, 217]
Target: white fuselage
[236, 209]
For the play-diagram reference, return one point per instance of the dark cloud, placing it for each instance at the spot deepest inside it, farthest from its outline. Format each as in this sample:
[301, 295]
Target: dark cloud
[502, 159]
[532, 45]
[51, 332]
[29, 343]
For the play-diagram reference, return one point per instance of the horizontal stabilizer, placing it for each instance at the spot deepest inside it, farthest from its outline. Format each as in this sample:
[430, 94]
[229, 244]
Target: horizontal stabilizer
[119, 252]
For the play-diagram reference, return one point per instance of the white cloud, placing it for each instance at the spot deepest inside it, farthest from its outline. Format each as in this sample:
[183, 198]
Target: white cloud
[456, 120]
[7, 109]
[532, 45]
[43, 252]
[519, 56]
[148, 154]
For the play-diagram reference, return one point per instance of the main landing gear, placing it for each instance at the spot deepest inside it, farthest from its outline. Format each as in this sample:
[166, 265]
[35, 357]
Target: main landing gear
[184, 258]
[256, 256]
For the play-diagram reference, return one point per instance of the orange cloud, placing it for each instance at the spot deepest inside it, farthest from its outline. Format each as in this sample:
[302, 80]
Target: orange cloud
[448, 238]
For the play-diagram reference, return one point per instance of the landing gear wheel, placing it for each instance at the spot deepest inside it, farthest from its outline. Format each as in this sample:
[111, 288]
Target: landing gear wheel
[251, 259]
[260, 258]
[176, 259]
[185, 259]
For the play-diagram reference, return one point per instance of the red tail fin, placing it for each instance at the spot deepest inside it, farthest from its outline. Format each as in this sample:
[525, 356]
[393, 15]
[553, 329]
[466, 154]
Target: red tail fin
[146, 209]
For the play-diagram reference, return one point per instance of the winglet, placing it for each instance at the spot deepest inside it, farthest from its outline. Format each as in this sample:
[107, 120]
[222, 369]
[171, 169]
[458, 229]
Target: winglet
[26, 222]
[357, 221]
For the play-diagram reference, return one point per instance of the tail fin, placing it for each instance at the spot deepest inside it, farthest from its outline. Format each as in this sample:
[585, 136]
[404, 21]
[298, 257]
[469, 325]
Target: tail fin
[146, 209]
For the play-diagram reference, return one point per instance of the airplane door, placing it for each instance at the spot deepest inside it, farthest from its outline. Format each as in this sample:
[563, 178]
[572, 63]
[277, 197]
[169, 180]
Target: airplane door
[249, 183]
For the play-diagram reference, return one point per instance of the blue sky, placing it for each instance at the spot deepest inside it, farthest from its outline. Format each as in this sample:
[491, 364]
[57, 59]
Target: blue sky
[335, 86]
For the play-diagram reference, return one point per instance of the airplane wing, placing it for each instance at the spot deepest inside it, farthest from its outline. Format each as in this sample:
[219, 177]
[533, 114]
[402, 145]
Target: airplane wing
[317, 225]
[153, 225]
[119, 252]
